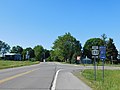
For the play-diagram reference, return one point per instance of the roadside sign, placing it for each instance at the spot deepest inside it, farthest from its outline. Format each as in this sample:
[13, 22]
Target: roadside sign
[102, 52]
[95, 52]
[94, 47]
[94, 56]
[78, 58]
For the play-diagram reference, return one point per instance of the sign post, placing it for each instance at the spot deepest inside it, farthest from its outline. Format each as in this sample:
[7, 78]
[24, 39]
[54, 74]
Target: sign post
[95, 53]
[103, 57]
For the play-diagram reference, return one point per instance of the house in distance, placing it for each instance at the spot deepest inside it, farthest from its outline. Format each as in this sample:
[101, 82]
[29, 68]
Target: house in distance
[13, 56]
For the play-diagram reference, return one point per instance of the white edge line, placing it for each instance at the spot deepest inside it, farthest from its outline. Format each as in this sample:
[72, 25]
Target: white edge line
[55, 80]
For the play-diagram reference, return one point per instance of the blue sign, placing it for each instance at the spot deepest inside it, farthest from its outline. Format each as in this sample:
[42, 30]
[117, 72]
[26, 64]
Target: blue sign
[102, 52]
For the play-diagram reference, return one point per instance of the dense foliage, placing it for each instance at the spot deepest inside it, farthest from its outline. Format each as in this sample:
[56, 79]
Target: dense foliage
[39, 52]
[4, 48]
[88, 46]
[17, 49]
[111, 50]
[30, 51]
[66, 48]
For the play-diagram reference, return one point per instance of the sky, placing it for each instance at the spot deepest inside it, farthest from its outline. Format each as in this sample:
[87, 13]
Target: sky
[28, 23]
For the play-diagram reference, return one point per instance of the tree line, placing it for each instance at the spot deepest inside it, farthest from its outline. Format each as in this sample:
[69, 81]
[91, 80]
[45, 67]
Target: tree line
[65, 48]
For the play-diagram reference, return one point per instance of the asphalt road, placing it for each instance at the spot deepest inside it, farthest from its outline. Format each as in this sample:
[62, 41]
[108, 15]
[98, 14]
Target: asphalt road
[36, 77]
[41, 77]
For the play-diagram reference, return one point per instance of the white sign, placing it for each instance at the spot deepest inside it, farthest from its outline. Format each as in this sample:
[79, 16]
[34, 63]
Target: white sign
[95, 52]
[78, 57]
[94, 47]
[94, 56]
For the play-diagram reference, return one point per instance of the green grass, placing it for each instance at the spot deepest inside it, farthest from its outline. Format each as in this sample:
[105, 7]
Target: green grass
[111, 79]
[10, 64]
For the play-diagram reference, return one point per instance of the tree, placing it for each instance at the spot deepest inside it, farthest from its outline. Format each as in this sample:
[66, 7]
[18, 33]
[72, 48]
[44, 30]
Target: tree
[111, 50]
[17, 49]
[46, 53]
[24, 54]
[88, 46]
[4, 48]
[39, 52]
[104, 37]
[30, 53]
[65, 47]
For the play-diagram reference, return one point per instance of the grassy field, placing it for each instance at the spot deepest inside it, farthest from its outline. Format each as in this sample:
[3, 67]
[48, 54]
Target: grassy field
[111, 79]
[10, 64]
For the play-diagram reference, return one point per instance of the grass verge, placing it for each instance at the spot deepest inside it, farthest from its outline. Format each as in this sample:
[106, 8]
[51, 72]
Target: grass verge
[111, 79]
[11, 64]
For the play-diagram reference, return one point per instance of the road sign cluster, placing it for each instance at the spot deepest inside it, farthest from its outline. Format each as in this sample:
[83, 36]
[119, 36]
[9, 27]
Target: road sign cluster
[101, 51]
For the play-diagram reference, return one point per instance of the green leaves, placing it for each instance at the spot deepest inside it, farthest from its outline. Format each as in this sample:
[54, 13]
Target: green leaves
[111, 50]
[92, 42]
[30, 52]
[17, 49]
[39, 51]
[4, 47]
[65, 47]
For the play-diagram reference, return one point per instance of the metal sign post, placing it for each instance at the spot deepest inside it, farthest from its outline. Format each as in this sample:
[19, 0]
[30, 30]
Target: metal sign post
[103, 57]
[103, 72]
[95, 53]
[95, 68]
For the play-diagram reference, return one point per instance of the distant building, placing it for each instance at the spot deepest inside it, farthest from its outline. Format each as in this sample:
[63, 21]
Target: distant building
[13, 56]
[86, 60]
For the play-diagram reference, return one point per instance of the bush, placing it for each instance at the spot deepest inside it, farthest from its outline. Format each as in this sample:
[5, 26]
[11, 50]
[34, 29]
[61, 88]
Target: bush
[32, 59]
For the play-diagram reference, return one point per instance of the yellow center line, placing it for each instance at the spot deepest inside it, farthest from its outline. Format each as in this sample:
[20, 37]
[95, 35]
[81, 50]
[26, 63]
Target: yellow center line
[15, 76]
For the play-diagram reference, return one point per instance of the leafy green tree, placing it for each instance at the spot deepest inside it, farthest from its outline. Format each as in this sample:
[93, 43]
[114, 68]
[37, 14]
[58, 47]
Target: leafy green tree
[4, 48]
[88, 46]
[17, 49]
[24, 54]
[39, 52]
[46, 53]
[30, 52]
[52, 56]
[65, 47]
[111, 50]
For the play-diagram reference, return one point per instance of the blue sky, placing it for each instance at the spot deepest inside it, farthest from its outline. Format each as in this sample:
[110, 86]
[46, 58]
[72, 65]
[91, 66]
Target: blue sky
[39, 22]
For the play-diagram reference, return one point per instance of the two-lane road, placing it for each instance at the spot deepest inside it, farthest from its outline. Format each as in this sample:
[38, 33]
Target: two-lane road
[36, 77]
[40, 77]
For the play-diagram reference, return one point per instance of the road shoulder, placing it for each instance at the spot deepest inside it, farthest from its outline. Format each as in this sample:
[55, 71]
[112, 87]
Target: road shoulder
[67, 81]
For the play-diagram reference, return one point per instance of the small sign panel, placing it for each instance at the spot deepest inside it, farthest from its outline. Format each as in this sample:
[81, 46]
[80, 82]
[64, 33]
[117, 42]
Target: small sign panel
[102, 52]
[94, 56]
[94, 47]
[78, 57]
[95, 52]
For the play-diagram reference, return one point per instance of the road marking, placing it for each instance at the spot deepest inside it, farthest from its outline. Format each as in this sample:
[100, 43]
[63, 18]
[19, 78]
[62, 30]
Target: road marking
[15, 76]
[55, 80]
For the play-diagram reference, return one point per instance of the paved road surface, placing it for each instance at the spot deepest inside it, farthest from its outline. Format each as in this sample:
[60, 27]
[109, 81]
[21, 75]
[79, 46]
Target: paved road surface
[37, 77]
[41, 77]
[67, 81]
